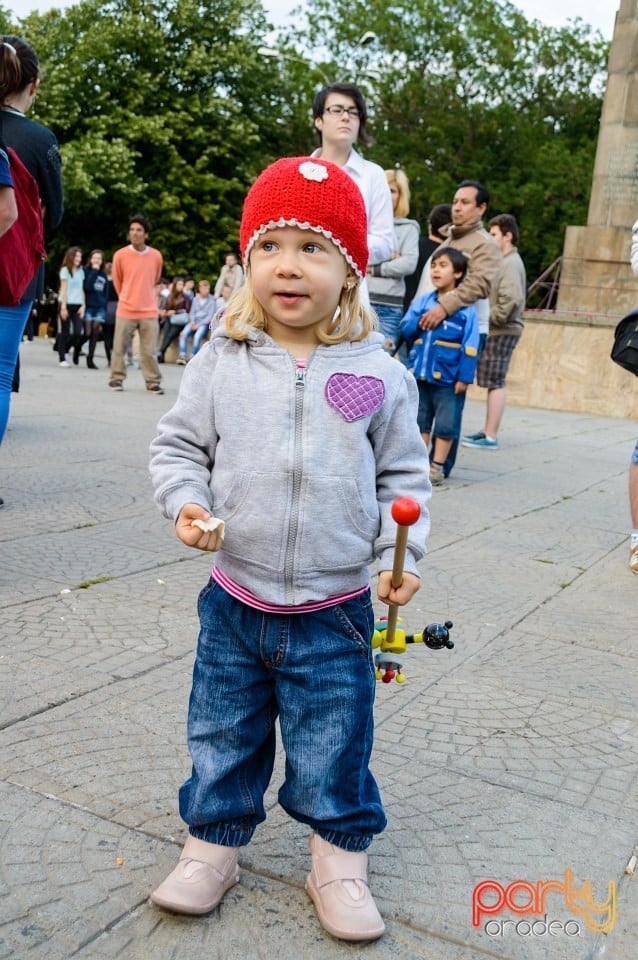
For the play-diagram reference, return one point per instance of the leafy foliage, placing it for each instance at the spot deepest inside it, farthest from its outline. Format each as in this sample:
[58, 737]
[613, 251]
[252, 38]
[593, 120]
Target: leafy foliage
[470, 89]
[158, 109]
[171, 107]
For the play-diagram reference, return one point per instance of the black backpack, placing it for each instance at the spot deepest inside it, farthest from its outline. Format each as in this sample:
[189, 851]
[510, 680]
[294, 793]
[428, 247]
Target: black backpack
[625, 349]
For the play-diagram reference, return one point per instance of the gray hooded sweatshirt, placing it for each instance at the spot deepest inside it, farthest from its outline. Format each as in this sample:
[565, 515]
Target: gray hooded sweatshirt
[302, 465]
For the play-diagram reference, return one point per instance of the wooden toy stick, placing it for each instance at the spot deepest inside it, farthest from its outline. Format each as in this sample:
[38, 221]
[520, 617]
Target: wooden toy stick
[405, 512]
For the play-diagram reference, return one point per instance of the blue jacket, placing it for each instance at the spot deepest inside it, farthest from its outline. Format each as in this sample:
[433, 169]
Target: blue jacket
[302, 465]
[96, 288]
[447, 354]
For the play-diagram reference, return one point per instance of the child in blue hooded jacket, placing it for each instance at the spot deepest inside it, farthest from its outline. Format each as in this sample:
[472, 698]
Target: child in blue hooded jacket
[443, 360]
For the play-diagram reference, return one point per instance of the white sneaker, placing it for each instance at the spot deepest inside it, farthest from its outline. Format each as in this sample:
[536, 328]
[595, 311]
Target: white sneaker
[64, 363]
[436, 474]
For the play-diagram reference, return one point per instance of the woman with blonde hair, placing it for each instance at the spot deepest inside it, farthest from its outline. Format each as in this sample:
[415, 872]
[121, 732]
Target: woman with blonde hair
[386, 280]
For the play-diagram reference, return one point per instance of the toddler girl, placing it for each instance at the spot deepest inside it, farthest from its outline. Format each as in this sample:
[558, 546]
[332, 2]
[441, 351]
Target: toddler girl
[298, 431]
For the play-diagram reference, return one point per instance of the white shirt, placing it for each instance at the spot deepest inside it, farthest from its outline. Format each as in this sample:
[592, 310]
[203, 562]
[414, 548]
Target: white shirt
[371, 180]
[634, 247]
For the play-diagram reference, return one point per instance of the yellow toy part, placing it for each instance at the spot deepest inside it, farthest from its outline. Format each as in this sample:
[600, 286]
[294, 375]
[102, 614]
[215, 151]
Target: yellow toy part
[397, 644]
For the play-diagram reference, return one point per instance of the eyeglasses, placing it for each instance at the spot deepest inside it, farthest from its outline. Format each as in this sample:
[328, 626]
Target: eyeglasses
[338, 110]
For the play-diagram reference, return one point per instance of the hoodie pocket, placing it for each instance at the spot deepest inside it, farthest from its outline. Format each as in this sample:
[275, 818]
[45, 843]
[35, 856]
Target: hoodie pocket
[335, 529]
[254, 510]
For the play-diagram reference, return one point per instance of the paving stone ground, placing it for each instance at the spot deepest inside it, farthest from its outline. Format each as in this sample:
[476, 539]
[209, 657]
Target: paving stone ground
[513, 757]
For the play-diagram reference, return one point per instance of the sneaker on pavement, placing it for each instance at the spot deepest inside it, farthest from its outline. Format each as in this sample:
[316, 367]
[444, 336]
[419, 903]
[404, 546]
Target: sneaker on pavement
[436, 474]
[115, 385]
[633, 559]
[484, 443]
[474, 436]
[155, 388]
[64, 363]
[181, 361]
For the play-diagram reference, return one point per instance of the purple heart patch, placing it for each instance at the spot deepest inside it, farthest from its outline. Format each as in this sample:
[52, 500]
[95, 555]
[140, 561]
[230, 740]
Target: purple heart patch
[354, 397]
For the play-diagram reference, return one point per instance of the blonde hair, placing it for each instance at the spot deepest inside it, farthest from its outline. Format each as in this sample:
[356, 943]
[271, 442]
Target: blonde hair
[402, 183]
[351, 322]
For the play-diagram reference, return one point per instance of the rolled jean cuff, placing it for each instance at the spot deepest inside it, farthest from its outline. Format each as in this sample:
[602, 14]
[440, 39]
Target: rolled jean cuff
[345, 841]
[225, 834]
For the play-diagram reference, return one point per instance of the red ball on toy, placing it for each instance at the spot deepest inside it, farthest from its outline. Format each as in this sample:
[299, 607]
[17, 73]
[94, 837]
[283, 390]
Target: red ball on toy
[405, 511]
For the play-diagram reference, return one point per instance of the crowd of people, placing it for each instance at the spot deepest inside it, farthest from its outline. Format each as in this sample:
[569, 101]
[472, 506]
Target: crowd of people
[328, 254]
[82, 312]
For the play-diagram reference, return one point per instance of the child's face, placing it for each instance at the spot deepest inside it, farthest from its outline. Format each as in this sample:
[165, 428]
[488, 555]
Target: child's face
[297, 276]
[443, 275]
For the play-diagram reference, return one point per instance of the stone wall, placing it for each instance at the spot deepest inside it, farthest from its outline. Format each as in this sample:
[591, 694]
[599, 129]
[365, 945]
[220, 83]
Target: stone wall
[562, 363]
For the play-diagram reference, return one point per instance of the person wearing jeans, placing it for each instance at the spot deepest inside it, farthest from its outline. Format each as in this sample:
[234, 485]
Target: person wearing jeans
[38, 150]
[202, 312]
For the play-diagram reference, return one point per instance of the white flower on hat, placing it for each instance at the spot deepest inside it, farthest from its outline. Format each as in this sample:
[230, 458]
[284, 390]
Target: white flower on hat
[313, 171]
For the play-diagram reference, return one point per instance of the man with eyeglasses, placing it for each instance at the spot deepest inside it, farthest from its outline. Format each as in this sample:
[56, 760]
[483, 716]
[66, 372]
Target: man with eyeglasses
[339, 115]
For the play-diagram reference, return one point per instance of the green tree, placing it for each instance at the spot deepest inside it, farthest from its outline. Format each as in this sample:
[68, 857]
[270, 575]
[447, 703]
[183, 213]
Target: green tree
[171, 107]
[472, 89]
[160, 108]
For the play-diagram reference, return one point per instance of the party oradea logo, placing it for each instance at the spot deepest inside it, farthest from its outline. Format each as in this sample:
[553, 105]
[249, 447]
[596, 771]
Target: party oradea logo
[530, 900]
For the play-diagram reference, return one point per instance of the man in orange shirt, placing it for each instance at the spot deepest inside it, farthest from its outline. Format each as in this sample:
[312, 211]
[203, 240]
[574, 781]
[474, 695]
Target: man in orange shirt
[137, 270]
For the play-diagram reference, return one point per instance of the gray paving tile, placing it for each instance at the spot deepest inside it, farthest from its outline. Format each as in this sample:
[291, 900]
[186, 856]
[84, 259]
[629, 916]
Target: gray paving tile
[511, 757]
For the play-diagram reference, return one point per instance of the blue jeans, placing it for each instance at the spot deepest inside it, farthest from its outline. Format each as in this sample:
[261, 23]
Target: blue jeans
[12, 324]
[438, 407]
[389, 320]
[198, 335]
[454, 449]
[313, 671]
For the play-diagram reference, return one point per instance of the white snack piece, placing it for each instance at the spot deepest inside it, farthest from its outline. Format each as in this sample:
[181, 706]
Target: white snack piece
[210, 525]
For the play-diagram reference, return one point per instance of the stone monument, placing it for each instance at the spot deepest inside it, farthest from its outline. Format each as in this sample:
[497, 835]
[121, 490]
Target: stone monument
[563, 359]
[596, 278]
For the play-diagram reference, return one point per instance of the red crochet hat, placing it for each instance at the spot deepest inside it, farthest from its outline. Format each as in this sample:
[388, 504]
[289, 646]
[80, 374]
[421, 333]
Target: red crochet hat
[313, 194]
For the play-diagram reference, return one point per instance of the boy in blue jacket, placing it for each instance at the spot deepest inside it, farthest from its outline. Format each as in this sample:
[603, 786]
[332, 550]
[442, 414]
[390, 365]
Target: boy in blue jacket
[442, 360]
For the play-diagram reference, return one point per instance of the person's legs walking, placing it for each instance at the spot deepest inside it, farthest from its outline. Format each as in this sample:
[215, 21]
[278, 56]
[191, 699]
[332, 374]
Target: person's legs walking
[494, 411]
[148, 331]
[63, 340]
[124, 330]
[633, 506]
[492, 370]
[77, 330]
[12, 321]
[93, 320]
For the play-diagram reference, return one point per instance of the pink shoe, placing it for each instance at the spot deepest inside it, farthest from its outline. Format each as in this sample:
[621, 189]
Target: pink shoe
[338, 887]
[201, 878]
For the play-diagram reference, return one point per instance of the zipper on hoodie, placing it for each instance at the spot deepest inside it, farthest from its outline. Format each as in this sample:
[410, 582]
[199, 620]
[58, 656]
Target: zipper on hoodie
[293, 526]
